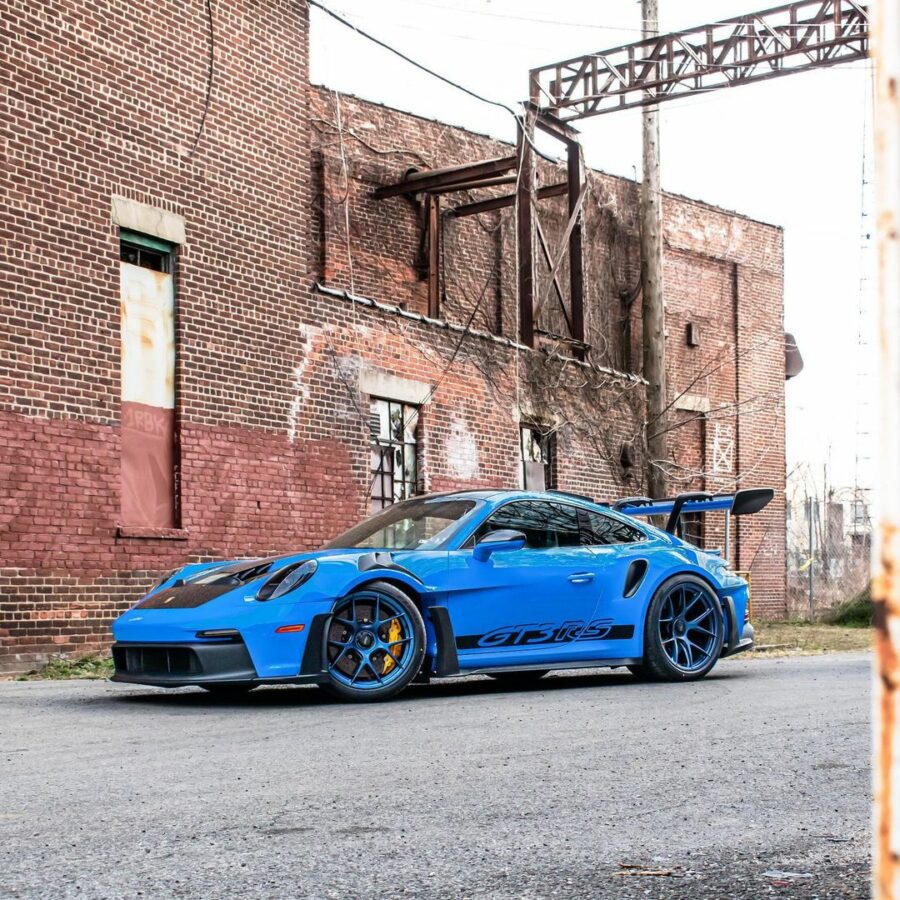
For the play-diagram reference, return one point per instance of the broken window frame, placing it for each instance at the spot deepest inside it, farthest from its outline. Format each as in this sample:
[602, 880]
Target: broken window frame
[384, 445]
[146, 252]
[544, 439]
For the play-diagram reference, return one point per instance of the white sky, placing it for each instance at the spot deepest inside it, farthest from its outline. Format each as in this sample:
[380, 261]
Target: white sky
[788, 151]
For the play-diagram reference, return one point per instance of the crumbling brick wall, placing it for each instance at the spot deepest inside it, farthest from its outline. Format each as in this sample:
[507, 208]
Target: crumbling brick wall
[104, 101]
[723, 277]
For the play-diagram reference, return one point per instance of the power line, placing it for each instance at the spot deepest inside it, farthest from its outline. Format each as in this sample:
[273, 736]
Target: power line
[519, 117]
[410, 60]
[209, 79]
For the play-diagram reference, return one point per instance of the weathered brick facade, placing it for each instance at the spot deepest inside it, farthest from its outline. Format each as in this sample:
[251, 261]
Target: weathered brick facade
[103, 101]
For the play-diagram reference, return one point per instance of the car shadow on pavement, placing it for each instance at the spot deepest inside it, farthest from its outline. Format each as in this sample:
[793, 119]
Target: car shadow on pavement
[469, 686]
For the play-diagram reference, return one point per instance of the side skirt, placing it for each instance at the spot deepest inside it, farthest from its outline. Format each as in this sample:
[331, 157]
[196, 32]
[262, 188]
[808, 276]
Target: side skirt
[554, 667]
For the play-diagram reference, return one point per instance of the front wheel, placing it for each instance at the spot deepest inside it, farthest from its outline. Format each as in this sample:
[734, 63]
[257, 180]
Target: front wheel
[684, 631]
[374, 644]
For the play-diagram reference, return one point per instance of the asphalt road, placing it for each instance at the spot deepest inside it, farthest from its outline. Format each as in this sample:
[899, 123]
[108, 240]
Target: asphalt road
[752, 783]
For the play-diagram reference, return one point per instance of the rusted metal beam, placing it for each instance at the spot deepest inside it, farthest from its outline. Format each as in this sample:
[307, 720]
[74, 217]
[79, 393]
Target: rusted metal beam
[433, 219]
[570, 225]
[544, 244]
[574, 171]
[794, 37]
[505, 201]
[886, 543]
[430, 179]
[550, 124]
[524, 200]
[474, 185]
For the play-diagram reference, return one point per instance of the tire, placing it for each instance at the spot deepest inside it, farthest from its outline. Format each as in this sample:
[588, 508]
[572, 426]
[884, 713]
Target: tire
[684, 631]
[374, 644]
[228, 690]
[521, 678]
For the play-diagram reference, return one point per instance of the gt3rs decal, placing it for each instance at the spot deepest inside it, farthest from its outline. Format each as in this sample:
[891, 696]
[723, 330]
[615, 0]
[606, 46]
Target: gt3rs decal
[548, 633]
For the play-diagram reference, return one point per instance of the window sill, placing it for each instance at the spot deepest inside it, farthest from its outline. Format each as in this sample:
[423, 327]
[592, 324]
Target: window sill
[141, 532]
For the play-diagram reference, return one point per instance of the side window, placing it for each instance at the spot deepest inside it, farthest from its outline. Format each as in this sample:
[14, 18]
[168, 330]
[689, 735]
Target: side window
[545, 525]
[597, 529]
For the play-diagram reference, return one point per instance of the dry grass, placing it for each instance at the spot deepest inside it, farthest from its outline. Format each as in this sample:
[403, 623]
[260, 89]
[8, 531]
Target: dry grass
[790, 638]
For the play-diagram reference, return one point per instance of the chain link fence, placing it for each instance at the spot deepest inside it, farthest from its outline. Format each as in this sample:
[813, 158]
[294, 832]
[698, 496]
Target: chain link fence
[828, 552]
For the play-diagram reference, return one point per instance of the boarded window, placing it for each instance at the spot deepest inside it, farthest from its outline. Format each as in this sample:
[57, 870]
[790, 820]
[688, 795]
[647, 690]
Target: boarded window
[149, 460]
[393, 451]
[538, 446]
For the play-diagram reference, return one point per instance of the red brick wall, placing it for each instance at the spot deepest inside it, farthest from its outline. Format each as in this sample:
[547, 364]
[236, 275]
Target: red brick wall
[105, 99]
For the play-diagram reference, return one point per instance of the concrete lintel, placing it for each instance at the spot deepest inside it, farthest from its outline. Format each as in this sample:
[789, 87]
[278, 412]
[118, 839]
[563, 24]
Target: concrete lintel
[150, 220]
[378, 383]
[693, 403]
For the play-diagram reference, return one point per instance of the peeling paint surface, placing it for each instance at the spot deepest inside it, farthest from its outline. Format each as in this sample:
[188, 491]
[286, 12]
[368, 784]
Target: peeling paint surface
[462, 451]
[307, 335]
[886, 549]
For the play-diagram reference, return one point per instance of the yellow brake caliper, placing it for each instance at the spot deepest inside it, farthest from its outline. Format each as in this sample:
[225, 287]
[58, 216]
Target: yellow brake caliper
[394, 632]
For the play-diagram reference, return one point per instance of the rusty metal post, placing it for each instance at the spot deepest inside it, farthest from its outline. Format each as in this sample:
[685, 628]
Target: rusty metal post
[433, 212]
[575, 175]
[886, 545]
[652, 303]
[525, 228]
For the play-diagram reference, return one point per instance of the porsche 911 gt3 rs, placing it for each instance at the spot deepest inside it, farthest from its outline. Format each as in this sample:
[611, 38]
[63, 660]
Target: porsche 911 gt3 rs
[510, 584]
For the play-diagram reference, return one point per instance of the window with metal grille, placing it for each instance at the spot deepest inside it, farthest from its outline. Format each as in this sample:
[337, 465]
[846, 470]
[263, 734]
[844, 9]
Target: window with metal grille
[393, 428]
[538, 458]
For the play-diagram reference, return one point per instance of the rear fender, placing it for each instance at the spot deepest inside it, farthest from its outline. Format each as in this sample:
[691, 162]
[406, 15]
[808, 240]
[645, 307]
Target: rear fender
[655, 579]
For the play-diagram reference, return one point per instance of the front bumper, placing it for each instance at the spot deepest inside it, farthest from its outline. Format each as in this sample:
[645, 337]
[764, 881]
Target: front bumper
[184, 663]
[177, 665]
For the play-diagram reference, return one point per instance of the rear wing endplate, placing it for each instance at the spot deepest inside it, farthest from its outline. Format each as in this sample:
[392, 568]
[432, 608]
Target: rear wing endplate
[740, 503]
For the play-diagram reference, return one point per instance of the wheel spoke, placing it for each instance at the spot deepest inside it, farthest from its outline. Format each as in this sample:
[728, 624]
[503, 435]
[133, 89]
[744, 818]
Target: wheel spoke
[690, 656]
[359, 669]
[371, 668]
[703, 630]
[394, 658]
[706, 612]
[697, 647]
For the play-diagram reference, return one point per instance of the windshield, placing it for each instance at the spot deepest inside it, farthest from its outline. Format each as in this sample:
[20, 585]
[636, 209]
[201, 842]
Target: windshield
[410, 525]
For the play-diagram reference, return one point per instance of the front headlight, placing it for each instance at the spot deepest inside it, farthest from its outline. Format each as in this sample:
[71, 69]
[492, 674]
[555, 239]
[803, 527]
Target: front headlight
[287, 579]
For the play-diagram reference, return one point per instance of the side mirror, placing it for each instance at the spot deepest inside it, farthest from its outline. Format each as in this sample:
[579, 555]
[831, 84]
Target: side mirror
[498, 541]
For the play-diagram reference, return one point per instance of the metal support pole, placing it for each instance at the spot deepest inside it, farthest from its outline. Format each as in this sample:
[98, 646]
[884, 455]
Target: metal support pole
[576, 243]
[433, 210]
[525, 230]
[728, 536]
[812, 554]
[886, 543]
[653, 310]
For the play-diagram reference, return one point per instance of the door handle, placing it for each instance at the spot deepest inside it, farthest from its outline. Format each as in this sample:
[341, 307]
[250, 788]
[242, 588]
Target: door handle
[581, 578]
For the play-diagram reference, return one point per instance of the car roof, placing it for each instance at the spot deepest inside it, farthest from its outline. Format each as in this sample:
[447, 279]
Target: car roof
[508, 494]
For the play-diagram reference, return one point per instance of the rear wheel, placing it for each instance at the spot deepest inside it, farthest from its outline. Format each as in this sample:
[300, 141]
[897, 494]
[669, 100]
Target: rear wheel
[374, 644]
[684, 631]
[523, 677]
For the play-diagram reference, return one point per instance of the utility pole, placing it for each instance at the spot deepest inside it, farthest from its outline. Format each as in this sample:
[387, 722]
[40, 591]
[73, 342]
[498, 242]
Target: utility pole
[886, 538]
[652, 306]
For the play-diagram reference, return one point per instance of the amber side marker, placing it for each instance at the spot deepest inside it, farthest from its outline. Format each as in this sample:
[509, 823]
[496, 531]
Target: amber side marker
[288, 629]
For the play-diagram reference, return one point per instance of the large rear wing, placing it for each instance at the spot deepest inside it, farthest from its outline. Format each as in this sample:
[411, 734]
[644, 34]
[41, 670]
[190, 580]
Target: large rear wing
[740, 503]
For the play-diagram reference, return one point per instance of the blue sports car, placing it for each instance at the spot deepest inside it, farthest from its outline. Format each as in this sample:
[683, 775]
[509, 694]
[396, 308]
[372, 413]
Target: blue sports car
[505, 583]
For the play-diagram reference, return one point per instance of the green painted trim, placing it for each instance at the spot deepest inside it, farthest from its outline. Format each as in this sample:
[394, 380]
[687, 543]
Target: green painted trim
[143, 240]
